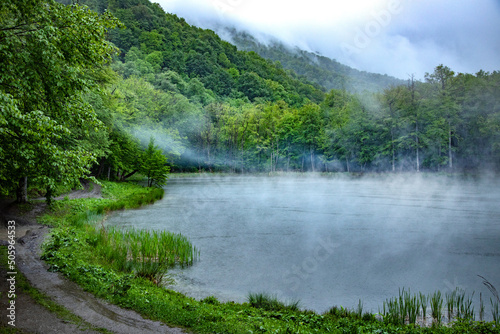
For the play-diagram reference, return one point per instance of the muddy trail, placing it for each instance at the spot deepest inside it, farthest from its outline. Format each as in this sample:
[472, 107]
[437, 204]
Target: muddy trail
[97, 316]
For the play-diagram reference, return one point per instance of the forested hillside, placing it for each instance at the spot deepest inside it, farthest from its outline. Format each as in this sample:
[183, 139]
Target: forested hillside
[83, 93]
[321, 70]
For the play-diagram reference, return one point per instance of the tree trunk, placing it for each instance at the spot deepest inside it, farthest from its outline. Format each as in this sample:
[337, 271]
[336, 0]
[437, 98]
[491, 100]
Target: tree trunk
[416, 141]
[449, 146]
[22, 190]
[124, 177]
[393, 151]
[101, 168]
[439, 157]
[312, 159]
[208, 155]
[48, 196]
[413, 105]
[392, 139]
[272, 152]
[277, 156]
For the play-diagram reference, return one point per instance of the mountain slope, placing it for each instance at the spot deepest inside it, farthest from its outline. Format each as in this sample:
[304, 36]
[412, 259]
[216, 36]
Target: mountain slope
[168, 42]
[313, 67]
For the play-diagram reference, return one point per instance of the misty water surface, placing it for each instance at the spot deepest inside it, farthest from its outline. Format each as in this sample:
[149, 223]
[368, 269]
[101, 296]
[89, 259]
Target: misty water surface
[330, 241]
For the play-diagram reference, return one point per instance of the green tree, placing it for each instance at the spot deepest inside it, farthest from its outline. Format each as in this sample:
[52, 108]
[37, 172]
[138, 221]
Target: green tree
[125, 155]
[253, 86]
[49, 54]
[411, 139]
[392, 104]
[446, 107]
[310, 131]
[337, 110]
[154, 165]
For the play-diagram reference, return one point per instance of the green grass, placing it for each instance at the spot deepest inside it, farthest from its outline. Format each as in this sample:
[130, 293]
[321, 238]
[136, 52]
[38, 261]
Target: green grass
[148, 254]
[409, 308]
[117, 196]
[107, 263]
[450, 302]
[436, 301]
[11, 330]
[270, 302]
[423, 304]
[403, 309]
[495, 311]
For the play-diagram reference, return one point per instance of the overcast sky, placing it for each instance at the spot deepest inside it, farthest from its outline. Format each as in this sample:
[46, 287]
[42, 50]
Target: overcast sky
[395, 37]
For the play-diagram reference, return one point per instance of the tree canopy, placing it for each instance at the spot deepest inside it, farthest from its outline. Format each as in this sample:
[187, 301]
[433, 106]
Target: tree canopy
[50, 55]
[81, 95]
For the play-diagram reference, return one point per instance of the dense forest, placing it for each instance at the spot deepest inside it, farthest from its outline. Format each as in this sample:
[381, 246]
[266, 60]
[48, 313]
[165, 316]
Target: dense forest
[121, 87]
[314, 67]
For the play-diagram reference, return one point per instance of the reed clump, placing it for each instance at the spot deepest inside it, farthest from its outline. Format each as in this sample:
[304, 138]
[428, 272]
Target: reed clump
[436, 301]
[407, 308]
[147, 254]
[402, 309]
[270, 302]
[423, 304]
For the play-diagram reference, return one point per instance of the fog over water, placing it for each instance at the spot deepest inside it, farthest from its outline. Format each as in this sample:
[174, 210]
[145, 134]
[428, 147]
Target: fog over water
[330, 240]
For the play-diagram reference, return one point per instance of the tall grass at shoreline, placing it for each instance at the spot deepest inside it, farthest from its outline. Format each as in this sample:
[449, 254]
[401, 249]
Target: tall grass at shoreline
[412, 309]
[117, 196]
[495, 301]
[271, 302]
[146, 253]
[436, 301]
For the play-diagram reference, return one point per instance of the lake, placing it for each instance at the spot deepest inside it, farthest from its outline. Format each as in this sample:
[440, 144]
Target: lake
[330, 240]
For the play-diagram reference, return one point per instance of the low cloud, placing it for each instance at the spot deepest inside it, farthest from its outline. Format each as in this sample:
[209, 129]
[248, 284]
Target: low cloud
[395, 37]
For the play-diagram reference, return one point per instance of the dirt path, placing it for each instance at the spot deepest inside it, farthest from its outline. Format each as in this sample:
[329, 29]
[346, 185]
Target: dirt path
[33, 318]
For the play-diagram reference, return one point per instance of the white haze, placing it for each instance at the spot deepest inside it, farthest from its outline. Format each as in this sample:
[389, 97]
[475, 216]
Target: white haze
[330, 240]
[169, 143]
[395, 37]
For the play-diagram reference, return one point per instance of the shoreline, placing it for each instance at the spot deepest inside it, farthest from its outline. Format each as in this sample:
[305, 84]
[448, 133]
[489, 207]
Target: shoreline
[206, 305]
[95, 314]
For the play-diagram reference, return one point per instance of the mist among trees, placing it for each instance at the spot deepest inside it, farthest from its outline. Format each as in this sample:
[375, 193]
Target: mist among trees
[100, 90]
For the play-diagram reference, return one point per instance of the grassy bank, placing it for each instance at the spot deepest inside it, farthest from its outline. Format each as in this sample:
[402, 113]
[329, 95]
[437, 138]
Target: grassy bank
[111, 264]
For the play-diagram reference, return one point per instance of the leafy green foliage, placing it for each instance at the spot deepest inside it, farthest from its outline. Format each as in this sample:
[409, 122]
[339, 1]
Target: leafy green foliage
[320, 70]
[49, 55]
[209, 106]
[154, 165]
[167, 42]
